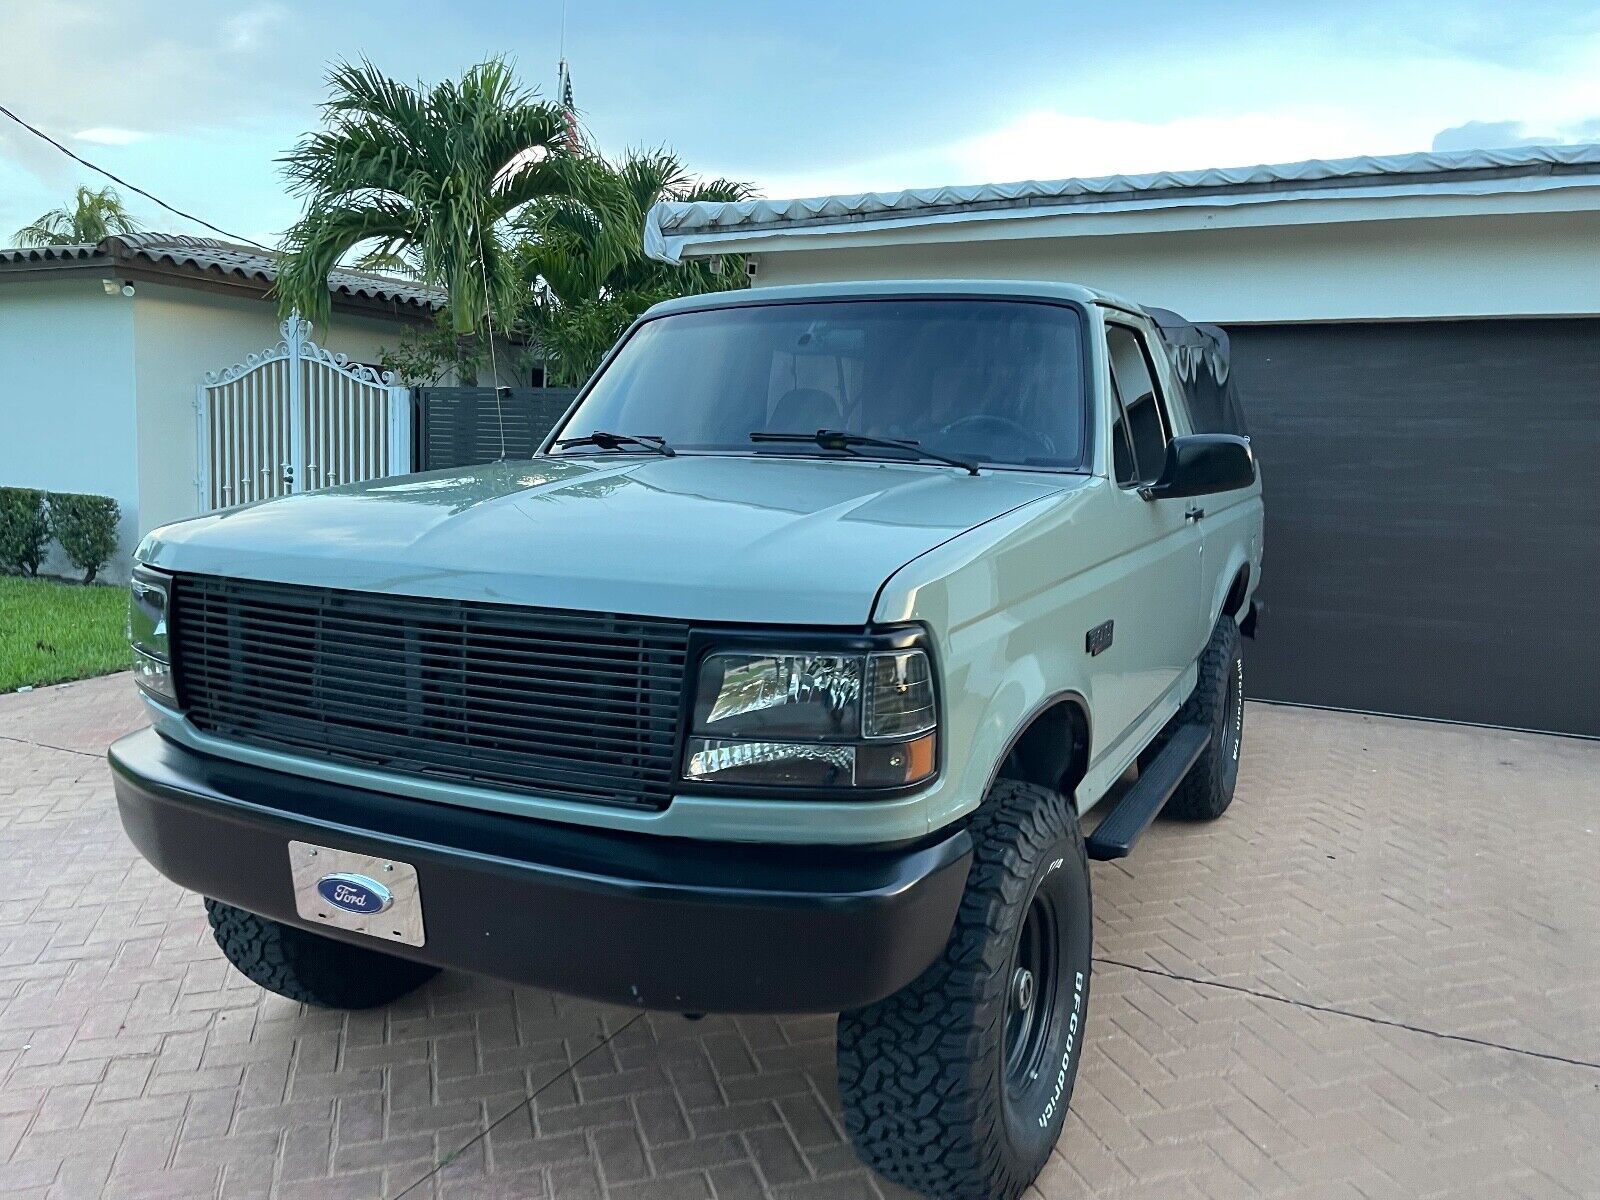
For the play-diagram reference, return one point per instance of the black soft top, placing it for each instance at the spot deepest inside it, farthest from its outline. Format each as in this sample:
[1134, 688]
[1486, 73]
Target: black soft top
[1200, 356]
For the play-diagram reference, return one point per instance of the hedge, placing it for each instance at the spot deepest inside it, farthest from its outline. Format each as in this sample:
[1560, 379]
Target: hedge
[24, 529]
[86, 528]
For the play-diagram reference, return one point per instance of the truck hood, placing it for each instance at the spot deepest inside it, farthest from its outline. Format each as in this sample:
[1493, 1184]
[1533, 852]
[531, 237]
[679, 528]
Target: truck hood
[709, 538]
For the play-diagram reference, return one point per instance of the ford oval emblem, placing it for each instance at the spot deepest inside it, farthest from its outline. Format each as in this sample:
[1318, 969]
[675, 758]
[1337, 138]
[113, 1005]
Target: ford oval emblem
[354, 893]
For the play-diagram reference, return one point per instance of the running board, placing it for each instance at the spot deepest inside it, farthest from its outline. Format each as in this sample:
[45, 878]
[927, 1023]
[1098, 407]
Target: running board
[1114, 837]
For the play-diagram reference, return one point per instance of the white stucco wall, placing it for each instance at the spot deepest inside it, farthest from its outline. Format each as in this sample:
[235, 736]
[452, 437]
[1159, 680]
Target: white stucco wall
[97, 392]
[1528, 264]
[67, 395]
[179, 335]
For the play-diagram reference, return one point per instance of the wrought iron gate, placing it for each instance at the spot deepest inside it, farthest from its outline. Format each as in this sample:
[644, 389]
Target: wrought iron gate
[297, 417]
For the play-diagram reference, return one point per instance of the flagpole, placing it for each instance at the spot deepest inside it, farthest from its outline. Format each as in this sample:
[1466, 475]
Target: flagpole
[561, 52]
[564, 89]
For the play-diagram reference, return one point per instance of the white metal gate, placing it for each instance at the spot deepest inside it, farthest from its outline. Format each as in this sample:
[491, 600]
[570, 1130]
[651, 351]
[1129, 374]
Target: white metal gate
[297, 417]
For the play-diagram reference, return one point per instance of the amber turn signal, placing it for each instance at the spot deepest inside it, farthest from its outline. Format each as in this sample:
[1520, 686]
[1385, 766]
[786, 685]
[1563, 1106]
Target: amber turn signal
[897, 764]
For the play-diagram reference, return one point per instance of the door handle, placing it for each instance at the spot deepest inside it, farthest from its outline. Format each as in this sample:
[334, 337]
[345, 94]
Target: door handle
[1194, 514]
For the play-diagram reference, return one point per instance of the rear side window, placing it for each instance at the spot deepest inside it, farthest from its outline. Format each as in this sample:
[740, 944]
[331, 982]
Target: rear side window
[1141, 429]
[1201, 358]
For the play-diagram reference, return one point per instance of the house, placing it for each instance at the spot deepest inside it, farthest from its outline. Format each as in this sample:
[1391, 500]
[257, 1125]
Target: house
[103, 349]
[1417, 342]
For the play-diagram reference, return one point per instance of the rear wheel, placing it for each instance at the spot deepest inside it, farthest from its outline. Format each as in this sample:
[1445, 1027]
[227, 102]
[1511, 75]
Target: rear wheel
[1217, 703]
[307, 967]
[958, 1084]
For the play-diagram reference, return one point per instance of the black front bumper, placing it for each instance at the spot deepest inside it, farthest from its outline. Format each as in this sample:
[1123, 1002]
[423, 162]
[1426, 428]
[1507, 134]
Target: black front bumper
[657, 922]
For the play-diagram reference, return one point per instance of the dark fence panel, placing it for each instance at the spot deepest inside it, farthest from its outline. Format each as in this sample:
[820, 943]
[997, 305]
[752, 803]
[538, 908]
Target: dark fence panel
[465, 426]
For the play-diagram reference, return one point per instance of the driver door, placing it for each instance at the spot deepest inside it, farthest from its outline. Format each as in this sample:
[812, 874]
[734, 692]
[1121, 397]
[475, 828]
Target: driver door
[1155, 600]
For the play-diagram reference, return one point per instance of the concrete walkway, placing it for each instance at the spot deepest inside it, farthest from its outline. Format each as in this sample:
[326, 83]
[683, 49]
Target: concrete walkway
[1377, 976]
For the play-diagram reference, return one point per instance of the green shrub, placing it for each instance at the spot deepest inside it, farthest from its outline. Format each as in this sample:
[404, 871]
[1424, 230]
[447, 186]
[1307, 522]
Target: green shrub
[24, 529]
[86, 527]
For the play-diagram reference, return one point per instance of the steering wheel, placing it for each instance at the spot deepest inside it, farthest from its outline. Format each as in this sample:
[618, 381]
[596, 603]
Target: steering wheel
[999, 437]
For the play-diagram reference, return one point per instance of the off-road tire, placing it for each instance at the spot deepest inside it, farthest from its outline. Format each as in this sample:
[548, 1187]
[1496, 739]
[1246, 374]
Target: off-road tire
[310, 968]
[1217, 703]
[924, 1075]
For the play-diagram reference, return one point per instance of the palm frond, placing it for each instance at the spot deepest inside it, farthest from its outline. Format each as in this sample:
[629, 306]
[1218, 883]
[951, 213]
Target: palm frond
[469, 184]
[389, 256]
[585, 250]
[426, 176]
[46, 231]
[92, 217]
[717, 191]
[322, 238]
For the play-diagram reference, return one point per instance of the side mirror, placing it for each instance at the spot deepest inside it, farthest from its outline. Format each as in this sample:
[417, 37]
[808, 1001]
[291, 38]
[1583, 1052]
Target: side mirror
[1203, 464]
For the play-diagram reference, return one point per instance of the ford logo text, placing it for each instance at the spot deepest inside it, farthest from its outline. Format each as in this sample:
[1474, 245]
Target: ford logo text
[354, 893]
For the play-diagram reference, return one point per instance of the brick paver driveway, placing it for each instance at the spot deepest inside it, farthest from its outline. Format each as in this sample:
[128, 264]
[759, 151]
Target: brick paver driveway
[1377, 976]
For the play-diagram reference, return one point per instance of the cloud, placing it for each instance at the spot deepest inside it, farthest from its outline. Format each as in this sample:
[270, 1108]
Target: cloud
[200, 98]
[1047, 144]
[1062, 144]
[179, 66]
[110, 135]
[1271, 97]
[251, 27]
[1499, 135]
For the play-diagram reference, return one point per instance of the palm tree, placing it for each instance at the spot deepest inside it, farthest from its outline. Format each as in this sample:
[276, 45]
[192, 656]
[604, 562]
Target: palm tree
[586, 254]
[426, 176]
[93, 217]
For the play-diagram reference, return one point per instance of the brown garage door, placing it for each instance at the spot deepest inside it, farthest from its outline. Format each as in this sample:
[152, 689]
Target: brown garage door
[1433, 517]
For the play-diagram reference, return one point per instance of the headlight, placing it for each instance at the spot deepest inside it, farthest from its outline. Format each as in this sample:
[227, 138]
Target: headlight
[147, 633]
[814, 720]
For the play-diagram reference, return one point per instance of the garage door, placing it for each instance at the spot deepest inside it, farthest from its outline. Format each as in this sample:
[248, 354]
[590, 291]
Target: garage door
[1433, 517]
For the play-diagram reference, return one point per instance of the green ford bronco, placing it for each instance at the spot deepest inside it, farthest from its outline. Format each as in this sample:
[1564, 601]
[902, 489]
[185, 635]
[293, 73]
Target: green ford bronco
[779, 680]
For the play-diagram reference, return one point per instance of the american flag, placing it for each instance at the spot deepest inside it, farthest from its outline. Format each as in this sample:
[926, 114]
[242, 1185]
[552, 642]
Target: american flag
[569, 111]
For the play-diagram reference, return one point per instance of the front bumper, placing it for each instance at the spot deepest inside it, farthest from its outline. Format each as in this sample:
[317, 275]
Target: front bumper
[655, 922]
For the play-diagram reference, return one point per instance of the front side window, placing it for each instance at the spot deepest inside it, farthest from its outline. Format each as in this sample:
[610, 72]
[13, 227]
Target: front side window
[995, 381]
[1140, 432]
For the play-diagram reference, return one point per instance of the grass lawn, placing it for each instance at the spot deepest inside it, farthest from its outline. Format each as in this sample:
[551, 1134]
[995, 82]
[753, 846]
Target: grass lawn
[51, 632]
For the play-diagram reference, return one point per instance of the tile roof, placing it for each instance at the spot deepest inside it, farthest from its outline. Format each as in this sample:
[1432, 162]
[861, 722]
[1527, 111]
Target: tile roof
[209, 256]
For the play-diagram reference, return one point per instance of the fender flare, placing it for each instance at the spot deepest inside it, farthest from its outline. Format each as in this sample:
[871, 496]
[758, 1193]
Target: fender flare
[1238, 563]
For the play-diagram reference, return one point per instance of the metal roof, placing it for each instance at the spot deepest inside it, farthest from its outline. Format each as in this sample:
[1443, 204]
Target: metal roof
[670, 227]
[210, 258]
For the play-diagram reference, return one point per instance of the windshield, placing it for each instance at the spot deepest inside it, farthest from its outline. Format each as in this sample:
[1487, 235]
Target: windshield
[995, 381]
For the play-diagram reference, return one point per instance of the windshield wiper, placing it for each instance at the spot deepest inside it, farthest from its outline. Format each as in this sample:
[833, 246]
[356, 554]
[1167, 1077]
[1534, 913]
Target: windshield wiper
[838, 439]
[616, 441]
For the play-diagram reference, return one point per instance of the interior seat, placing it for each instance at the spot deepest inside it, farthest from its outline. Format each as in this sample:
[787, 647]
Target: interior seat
[805, 410]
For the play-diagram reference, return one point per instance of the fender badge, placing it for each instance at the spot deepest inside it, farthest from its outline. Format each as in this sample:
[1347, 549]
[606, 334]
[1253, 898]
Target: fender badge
[1098, 639]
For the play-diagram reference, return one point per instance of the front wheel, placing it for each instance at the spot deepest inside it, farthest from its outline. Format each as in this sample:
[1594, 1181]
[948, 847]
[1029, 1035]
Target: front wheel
[957, 1085]
[307, 967]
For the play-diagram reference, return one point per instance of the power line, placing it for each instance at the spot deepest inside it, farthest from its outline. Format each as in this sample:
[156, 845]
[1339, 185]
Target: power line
[39, 133]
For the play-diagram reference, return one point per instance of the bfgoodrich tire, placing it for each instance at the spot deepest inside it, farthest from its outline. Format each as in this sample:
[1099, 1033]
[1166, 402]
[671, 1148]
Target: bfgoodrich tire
[309, 968]
[1217, 703]
[958, 1084]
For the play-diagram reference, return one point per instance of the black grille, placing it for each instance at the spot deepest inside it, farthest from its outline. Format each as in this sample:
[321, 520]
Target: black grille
[581, 705]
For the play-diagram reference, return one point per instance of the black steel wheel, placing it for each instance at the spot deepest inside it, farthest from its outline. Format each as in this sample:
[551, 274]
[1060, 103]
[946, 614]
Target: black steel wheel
[1032, 1000]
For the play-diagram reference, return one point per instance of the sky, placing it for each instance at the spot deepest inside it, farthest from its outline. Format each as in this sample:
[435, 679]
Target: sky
[196, 101]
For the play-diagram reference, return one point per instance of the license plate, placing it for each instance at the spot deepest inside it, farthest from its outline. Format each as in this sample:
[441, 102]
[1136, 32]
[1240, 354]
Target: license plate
[364, 893]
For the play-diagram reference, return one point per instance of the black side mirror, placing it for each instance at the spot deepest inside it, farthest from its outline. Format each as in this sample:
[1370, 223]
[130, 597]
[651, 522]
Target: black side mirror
[1203, 464]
